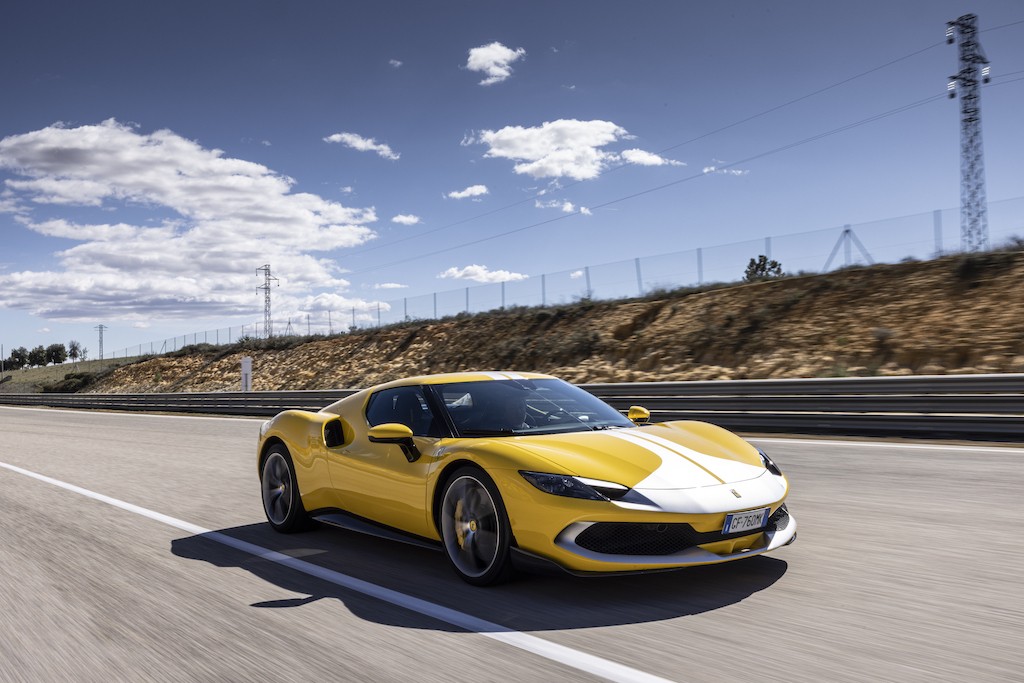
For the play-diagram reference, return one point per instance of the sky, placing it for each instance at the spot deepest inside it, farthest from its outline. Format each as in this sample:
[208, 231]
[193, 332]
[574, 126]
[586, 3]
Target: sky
[154, 155]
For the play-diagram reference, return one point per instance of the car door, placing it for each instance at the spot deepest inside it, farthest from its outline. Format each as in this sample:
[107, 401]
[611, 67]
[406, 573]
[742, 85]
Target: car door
[376, 480]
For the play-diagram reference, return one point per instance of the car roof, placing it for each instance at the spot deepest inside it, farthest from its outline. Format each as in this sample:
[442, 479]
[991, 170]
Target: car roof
[445, 378]
[452, 377]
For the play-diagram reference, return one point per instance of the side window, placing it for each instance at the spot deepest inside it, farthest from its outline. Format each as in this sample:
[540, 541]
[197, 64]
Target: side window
[404, 405]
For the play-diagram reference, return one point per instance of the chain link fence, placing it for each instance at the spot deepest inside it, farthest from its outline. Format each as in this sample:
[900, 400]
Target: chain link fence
[915, 237]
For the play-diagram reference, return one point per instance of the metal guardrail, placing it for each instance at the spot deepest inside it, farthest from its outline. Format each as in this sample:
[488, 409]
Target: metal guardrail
[949, 406]
[253, 403]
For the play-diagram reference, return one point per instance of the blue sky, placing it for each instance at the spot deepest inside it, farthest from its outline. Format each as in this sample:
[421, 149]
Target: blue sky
[153, 155]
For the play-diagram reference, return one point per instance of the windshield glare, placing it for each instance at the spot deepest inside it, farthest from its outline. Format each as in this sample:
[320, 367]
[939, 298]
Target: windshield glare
[542, 406]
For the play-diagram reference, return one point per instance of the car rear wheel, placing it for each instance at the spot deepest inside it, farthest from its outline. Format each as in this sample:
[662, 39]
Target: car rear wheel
[281, 500]
[475, 528]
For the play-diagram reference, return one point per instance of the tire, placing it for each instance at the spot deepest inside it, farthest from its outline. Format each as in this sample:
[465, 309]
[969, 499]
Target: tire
[281, 501]
[475, 529]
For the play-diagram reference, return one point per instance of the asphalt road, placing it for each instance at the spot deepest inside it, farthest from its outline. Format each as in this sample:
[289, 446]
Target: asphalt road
[907, 568]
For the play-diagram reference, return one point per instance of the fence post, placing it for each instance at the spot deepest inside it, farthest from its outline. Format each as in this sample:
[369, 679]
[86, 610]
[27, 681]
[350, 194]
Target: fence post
[405, 308]
[639, 278]
[768, 248]
[543, 290]
[435, 305]
[503, 295]
[586, 273]
[467, 300]
[700, 266]
[937, 222]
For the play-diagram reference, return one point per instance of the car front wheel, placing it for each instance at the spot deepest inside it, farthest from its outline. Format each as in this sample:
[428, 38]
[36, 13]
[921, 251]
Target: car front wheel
[280, 490]
[475, 528]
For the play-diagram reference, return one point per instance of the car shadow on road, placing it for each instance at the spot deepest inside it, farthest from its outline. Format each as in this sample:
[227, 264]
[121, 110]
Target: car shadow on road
[528, 603]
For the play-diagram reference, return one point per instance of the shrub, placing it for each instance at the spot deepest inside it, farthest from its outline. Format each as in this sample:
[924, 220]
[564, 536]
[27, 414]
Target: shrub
[762, 268]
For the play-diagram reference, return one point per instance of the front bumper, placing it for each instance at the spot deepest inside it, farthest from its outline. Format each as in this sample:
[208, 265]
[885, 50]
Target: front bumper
[562, 530]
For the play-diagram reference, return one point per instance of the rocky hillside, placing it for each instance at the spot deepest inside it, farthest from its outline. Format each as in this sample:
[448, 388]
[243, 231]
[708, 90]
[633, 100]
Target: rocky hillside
[961, 314]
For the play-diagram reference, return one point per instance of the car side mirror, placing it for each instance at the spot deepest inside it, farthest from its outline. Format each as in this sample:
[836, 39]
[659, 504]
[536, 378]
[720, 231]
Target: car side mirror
[396, 433]
[638, 415]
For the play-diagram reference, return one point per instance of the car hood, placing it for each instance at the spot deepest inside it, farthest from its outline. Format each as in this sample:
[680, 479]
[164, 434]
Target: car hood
[671, 455]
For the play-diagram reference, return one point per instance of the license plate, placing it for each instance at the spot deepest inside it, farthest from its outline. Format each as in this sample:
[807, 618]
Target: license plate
[745, 521]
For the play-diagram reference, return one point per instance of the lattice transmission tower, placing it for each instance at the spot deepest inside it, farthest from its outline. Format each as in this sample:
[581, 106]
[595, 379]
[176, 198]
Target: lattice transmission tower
[268, 327]
[99, 328]
[973, 204]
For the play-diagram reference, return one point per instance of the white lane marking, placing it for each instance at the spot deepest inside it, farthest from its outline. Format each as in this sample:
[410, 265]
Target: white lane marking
[597, 666]
[81, 411]
[1015, 450]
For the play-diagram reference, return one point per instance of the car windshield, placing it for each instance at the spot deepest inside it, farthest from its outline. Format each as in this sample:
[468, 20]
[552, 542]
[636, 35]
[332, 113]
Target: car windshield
[518, 407]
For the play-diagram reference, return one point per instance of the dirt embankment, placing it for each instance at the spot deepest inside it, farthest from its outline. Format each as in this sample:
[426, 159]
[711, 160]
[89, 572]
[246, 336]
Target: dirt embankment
[954, 315]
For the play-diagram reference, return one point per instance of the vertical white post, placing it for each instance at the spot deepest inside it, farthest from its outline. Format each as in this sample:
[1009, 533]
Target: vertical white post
[247, 373]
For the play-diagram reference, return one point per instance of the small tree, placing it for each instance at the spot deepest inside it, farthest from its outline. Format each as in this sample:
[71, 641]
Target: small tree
[762, 268]
[19, 358]
[56, 353]
[37, 357]
[74, 350]
[85, 354]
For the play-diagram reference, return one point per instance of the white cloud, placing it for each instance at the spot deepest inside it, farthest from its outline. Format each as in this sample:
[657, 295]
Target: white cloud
[576, 274]
[390, 285]
[495, 60]
[406, 219]
[724, 171]
[43, 330]
[566, 148]
[716, 168]
[10, 204]
[211, 221]
[556, 149]
[565, 206]
[361, 144]
[338, 303]
[480, 274]
[348, 189]
[395, 63]
[642, 158]
[471, 191]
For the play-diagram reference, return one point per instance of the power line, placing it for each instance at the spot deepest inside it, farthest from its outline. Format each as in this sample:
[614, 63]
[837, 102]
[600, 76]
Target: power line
[611, 169]
[776, 150]
[666, 149]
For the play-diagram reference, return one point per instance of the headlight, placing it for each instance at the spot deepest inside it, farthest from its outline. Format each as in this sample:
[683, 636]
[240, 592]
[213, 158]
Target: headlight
[769, 464]
[575, 487]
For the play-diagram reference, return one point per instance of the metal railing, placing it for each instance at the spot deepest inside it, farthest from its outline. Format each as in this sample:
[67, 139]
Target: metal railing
[950, 406]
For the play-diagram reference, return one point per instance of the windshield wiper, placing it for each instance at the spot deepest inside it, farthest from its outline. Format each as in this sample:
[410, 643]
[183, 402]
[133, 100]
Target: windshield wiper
[598, 428]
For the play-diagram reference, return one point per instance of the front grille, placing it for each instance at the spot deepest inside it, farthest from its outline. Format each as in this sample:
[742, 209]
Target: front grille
[630, 538]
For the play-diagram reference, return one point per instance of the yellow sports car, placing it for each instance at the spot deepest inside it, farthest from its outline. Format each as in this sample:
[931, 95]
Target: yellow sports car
[507, 469]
